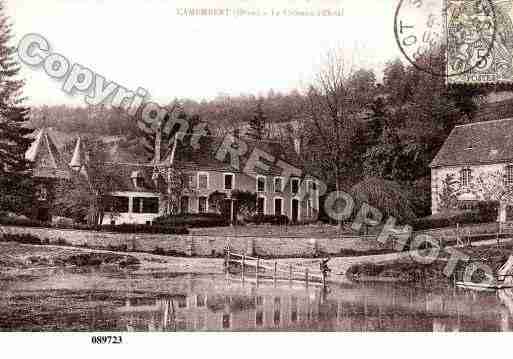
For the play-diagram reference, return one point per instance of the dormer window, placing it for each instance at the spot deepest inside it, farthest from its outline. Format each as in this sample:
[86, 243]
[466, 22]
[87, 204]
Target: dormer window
[509, 175]
[465, 177]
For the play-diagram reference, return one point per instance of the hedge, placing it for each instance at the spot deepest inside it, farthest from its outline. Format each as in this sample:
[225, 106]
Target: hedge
[193, 220]
[269, 219]
[485, 212]
[120, 228]
[449, 219]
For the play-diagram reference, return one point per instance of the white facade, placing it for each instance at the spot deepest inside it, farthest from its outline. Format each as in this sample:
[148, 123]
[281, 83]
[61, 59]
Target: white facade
[136, 211]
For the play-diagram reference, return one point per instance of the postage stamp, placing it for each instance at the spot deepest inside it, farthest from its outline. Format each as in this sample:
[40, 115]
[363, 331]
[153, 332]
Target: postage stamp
[479, 41]
[472, 39]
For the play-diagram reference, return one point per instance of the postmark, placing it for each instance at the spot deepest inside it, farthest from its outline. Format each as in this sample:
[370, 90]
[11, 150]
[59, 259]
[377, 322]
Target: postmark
[448, 38]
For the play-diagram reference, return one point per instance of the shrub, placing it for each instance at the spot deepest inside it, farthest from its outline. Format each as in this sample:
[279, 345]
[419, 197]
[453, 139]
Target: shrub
[192, 220]
[143, 228]
[21, 222]
[24, 238]
[388, 196]
[269, 219]
[488, 210]
[446, 219]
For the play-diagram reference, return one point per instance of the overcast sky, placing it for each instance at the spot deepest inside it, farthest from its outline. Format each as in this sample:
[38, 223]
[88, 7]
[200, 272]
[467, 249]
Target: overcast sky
[144, 43]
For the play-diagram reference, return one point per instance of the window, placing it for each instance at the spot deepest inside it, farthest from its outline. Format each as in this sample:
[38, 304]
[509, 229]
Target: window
[120, 204]
[202, 180]
[137, 205]
[228, 181]
[509, 175]
[260, 184]
[202, 204]
[200, 300]
[278, 184]
[278, 206]
[466, 177]
[184, 204]
[150, 205]
[294, 185]
[145, 205]
[261, 205]
[191, 181]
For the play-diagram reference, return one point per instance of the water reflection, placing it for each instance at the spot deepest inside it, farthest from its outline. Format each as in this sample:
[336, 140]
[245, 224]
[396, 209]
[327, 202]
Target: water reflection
[356, 308]
[129, 302]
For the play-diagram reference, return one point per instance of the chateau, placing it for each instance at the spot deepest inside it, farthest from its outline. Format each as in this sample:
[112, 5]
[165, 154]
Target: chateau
[55, 155]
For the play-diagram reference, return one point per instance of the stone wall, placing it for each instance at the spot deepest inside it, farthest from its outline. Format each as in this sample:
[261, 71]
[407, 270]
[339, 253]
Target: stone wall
[206, 246]
[190, 245]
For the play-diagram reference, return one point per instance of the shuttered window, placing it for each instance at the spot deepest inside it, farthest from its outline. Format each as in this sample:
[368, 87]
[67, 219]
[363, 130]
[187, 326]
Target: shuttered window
[465, 177]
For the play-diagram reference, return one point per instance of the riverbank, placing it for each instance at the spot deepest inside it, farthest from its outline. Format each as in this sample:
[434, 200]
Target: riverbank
[19, 258]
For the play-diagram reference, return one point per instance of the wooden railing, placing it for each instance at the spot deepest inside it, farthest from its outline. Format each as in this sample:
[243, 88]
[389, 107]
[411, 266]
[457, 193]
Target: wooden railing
[259, 269]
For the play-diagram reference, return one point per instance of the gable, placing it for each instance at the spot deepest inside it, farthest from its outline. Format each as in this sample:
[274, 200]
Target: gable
[477, 143]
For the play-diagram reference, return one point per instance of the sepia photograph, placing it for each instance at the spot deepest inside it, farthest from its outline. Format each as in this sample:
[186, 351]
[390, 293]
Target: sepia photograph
[255, 166]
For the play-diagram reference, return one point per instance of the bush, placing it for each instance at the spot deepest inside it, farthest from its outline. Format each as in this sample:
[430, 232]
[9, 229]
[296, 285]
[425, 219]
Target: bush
[143, 228]
[446, 219]
[485, 212]
[268, 219]
[121, 228]
[488, 210]
[22, 222]
[192, 220]
[22, 238]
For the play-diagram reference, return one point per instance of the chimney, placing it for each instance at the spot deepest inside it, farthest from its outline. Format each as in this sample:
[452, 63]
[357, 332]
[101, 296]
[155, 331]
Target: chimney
[158, 139]
[297, 145]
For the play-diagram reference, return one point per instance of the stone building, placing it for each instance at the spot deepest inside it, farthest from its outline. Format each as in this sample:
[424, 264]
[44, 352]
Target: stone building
[475, 164]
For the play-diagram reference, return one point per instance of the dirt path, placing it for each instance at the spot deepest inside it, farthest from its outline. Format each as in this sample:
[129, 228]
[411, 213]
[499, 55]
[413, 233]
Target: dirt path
[151, 263]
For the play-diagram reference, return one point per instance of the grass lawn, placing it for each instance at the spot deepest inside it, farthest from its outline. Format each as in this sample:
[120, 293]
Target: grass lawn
[267, 230]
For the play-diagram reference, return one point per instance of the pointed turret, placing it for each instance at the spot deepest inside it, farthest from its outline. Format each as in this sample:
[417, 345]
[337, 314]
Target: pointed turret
[76, 160]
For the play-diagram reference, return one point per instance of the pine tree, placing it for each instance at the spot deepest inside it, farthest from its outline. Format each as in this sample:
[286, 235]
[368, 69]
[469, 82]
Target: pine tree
[258, 123]
[14, 169]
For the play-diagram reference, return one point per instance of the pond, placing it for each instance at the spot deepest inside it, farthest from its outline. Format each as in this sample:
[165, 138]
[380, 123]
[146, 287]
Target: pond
[99, 300]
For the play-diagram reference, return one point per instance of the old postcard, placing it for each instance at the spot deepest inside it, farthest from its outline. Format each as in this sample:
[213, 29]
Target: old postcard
[238, 165]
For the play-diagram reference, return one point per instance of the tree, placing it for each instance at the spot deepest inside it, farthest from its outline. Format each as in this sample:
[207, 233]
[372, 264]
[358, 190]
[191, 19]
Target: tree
[257, 125]
[331, 121]
[15, 184]
[387, 196]
[246, 202]
[86, 196]
[448, 196]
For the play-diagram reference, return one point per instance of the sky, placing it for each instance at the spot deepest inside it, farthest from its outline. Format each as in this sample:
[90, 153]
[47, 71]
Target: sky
[146, 43]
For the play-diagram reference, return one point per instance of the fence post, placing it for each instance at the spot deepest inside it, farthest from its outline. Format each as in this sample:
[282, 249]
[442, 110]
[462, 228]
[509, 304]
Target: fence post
[257, 270]
[290, 273]
[243, 266]
[226, 259]
[275, 271]
[498, 234]
[306, 276]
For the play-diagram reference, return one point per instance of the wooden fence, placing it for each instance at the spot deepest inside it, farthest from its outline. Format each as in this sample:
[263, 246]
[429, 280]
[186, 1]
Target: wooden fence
[258, 269]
